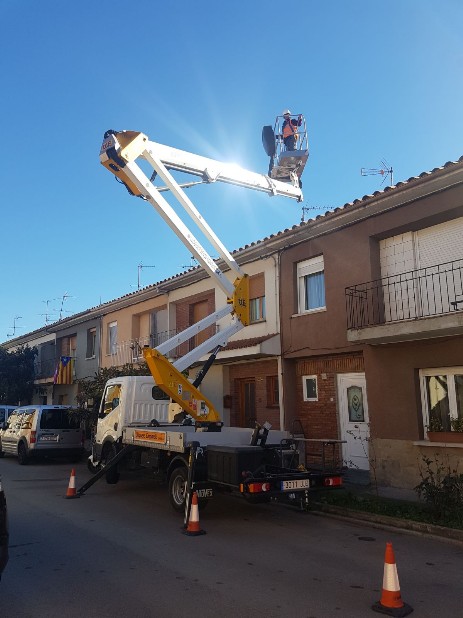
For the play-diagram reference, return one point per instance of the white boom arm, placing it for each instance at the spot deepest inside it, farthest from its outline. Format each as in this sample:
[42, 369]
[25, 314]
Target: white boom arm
[118, 154]
[215, 171]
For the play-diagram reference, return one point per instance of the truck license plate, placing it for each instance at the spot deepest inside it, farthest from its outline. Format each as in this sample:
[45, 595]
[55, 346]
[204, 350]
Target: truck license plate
[292, 485]
[48, 438]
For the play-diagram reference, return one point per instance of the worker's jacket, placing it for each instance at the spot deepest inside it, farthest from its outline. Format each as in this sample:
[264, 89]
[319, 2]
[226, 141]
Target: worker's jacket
[289, 128]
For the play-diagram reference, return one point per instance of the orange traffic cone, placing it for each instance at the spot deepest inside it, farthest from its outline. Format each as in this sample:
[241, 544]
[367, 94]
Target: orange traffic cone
[193, 528]
[71, 492]
[391, 602]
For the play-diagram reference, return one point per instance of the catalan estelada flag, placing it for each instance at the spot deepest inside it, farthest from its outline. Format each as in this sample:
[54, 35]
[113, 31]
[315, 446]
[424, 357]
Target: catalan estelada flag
[63, 371]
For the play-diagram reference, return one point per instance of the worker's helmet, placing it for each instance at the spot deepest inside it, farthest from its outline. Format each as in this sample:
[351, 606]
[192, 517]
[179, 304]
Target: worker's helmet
[286, 112]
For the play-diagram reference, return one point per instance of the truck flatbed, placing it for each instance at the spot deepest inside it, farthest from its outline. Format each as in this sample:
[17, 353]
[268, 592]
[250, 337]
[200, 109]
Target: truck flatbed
[178, 438]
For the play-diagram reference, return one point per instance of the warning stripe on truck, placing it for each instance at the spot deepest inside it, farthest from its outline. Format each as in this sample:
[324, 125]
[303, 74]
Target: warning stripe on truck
[159, 437]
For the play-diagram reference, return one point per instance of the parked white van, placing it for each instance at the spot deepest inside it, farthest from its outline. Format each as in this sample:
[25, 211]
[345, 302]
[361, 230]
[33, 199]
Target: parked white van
[46, 431]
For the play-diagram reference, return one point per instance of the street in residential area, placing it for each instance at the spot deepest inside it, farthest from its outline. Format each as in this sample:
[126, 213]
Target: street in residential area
[119, 551]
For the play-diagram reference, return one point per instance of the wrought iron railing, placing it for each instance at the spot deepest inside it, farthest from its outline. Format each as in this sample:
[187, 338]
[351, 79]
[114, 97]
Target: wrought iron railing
[131, 351]
[422, 293]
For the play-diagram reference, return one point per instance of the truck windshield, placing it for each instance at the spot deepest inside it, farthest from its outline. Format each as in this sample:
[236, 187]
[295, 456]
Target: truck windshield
[111, 398]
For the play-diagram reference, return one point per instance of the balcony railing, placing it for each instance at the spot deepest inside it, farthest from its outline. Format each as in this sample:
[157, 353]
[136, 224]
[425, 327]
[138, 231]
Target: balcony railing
[422, 293]
[131, 351]
[44, 369]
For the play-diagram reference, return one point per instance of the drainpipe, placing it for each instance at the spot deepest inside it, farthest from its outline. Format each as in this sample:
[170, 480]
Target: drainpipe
[276, 261]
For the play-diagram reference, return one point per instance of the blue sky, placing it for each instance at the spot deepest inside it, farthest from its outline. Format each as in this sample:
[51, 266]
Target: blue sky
[375, 81]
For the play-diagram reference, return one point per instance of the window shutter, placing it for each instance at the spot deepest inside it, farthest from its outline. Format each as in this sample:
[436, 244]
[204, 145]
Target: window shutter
[257, 286]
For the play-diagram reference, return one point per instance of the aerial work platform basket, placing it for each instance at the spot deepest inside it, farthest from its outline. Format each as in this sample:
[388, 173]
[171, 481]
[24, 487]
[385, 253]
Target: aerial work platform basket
[286, 165]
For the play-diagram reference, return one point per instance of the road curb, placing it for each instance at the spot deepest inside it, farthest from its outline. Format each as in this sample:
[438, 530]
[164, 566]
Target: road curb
[389, 522]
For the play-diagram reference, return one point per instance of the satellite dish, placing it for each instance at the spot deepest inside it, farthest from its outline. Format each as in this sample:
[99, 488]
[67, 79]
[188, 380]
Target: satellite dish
[268, 140]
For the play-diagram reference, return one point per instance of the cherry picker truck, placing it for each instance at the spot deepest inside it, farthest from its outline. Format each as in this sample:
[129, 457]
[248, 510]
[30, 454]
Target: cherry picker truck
[198, 453]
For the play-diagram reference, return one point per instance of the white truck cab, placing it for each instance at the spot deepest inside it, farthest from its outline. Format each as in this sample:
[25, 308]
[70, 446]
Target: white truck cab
[127, 400]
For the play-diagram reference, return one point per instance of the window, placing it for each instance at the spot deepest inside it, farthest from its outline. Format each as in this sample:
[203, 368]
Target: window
[91, 342]
[310, 388]
[111, 398]
[257, 298]
[442, 396]
[58, 419]
[257, 309]
[158, 327]
[311, 285]
[158, 394]
[273, 398]
[112, 338]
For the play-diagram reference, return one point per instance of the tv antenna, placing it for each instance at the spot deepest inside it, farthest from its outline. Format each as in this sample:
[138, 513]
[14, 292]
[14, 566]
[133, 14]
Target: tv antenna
[63, 299]
[307, 209]
[385, 170]
[14, 327]
[48, 314]
[193, 263]
[140, 268]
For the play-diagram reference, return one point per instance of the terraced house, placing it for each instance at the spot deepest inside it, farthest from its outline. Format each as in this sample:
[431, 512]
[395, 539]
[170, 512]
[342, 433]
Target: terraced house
[372, 325]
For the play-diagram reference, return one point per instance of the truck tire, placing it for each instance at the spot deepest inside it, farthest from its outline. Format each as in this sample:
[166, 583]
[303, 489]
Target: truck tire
[177, 486]
[110, 451]
[23, 457]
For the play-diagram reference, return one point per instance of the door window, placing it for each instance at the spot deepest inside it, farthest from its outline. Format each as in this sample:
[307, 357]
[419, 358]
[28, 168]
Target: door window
[111, 398]
[355, 404]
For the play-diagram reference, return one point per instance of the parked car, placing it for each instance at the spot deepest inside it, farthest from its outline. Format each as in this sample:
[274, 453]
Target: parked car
[5, 412]
[47, 431]
[3, 531]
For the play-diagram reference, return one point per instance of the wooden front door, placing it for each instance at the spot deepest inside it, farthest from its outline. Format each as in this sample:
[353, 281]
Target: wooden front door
[247, 402]
[200, 311]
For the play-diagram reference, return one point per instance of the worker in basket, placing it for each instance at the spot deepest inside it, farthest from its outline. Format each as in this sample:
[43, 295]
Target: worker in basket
[289, 129]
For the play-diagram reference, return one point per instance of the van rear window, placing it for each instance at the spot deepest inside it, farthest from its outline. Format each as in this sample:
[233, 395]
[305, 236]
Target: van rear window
[58, 419]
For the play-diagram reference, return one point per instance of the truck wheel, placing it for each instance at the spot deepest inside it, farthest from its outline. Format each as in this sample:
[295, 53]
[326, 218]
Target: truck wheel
[23, 458]
[112, 475]
[177, 486]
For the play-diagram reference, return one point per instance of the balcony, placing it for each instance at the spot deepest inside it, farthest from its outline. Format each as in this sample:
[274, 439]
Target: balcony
[44, 370]
[131, 351]
[418, 304]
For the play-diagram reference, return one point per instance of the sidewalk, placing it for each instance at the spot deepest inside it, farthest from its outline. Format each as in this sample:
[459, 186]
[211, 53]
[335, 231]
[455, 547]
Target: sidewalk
[358, 482]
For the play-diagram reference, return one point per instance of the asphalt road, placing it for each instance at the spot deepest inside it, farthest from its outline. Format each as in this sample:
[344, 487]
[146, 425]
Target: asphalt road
[119, 551]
